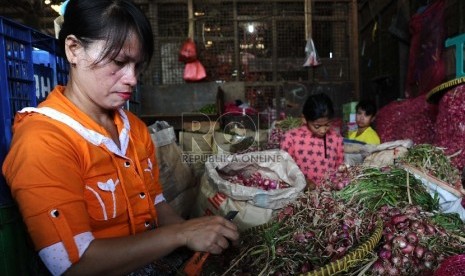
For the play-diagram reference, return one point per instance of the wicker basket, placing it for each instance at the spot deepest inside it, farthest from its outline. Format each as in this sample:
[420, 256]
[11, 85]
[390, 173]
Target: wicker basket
[452, 266]
[353, 257]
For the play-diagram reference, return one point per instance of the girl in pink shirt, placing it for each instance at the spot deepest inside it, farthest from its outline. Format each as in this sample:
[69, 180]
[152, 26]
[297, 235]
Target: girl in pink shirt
[315, 146]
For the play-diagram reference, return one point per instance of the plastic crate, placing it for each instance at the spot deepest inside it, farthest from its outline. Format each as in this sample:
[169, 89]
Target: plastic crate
[62, 66]
[16, 79]
[28, 66]
[43, 79]
[62, 70]
[28, 72]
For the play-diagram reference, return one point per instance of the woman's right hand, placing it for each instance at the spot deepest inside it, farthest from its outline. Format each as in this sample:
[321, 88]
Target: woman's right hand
[209, 234]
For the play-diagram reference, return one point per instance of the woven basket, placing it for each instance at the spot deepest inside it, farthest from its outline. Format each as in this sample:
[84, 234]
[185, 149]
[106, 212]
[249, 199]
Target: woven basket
[348, 260]
[452, 266]
[353, 257]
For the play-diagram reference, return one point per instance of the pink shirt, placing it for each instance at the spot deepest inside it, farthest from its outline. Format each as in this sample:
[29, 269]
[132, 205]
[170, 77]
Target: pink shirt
[310, 154]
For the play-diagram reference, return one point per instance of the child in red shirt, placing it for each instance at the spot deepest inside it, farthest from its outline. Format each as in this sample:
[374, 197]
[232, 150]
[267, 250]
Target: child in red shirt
[315, 146]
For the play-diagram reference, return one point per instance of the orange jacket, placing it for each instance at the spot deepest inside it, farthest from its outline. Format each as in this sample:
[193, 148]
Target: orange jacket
[69, 181]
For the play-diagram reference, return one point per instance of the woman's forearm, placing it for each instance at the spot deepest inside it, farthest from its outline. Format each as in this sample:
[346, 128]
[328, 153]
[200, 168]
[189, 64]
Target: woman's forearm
[120, 256]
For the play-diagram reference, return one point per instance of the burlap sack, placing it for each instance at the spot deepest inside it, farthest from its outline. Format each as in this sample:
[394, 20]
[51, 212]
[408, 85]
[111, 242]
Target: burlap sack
[272, 164]
[176, 177]
[384, 158]
[385, 154]
[184, 202]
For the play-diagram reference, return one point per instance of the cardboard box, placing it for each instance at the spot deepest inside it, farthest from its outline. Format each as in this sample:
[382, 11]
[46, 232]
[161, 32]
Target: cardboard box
[348, 112]
[201, 126]
[199, 143]
[349, 107]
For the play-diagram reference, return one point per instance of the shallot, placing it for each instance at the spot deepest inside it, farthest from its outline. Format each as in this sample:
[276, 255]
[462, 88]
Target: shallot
[410, 243]
[258, 181]
[412, 238]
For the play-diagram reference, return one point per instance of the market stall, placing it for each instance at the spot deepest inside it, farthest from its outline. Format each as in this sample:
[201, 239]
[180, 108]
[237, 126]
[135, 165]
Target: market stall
[220, 147]
[389, 220]
[398, 210]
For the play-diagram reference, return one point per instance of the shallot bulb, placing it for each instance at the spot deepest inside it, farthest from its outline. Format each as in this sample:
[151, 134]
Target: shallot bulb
[256, 180]
[419, 251]
[378, 268]
[384, 254]
[428, 256]
[408, 249]
[399, 242]
[412, 238]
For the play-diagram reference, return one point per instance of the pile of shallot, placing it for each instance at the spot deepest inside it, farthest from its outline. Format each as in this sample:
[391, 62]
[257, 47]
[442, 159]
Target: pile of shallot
[450, 125]
[343, 176]
[257, 180]
[275, 137]
[412, 244]
[276, 134]
[307, 234]
[408, 119]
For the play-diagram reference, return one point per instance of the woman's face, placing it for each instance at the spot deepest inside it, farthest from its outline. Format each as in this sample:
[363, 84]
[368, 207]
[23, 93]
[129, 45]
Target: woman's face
[108, 84]
[320, 126]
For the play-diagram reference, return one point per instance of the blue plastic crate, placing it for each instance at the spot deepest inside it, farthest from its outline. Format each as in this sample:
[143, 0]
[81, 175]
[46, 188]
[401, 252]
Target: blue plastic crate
[43, 42]
[43, 78]
[14, 30]
[62, 65]
[41, 57]
[16, 82]
[29, 69]
[62, 70]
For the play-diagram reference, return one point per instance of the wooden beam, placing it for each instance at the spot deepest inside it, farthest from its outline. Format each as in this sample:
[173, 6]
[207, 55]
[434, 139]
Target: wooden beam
[308, 18]
[355, 49]
[190, 12]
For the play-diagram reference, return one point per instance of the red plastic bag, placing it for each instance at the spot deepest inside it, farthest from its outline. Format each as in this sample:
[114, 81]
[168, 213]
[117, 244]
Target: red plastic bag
[426, 67]
[194, 71]
[188, 52]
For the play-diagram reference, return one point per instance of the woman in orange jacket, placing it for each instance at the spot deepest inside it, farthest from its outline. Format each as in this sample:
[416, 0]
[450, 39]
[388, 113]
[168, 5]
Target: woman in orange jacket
[83, 169]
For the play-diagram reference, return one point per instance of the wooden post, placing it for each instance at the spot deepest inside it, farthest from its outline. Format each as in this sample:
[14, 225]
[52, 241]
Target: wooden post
[354, 44]
[308, 27]
[308, 19]
[190, 12]
[237, 54]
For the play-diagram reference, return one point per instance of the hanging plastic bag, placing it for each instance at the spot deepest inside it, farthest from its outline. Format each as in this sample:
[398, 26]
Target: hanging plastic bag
[311, 58]
[194, 71]
[426, 63]
[188, 52]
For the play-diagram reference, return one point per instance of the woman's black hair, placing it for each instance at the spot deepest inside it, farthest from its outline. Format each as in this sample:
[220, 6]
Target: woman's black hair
[368, 106]
[318, 106]
[108, 20]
